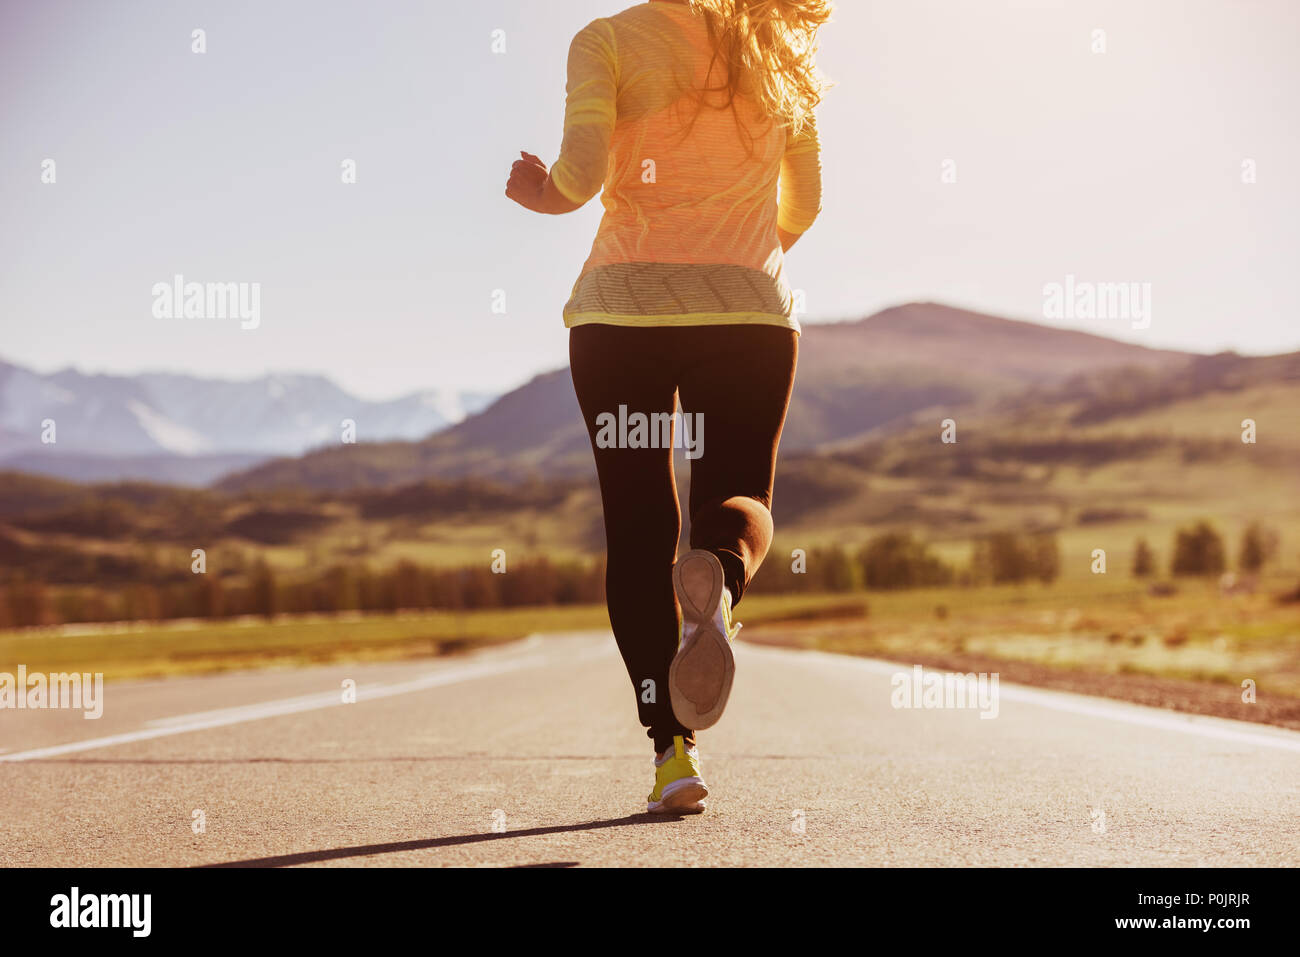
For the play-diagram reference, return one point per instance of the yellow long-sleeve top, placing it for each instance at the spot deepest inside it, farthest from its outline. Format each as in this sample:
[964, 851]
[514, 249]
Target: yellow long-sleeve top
[690, 190]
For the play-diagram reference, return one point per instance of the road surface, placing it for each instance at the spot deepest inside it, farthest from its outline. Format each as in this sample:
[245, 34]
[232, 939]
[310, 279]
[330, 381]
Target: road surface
[530, 755]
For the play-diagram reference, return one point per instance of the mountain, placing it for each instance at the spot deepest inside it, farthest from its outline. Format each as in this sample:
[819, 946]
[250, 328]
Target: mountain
[1098, 458]
[191, 430]
[185, 470]
[856, 379]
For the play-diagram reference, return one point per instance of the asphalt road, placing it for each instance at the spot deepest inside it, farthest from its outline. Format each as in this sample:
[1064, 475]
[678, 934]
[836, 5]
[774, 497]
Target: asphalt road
[530, 755]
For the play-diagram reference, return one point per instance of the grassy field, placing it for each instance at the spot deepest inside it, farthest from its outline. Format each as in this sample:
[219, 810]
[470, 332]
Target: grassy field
[139, 649]
[1106, 626]
[1103, 625]
[136, 649]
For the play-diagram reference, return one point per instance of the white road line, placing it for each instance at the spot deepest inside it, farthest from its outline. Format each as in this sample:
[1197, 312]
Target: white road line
[1223, 729]
[202, 720]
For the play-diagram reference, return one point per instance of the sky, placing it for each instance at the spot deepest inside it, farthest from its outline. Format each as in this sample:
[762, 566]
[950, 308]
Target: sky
[226, 166]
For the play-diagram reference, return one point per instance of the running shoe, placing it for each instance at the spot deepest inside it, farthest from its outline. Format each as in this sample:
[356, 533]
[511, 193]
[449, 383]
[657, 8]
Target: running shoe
[700, 677]
[679, 789]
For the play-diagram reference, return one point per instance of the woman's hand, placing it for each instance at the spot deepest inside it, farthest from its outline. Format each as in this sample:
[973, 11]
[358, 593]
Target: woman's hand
[530, 186]
[527, 181]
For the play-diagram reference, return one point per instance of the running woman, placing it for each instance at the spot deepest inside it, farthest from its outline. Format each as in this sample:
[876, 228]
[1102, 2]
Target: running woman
[696, 118]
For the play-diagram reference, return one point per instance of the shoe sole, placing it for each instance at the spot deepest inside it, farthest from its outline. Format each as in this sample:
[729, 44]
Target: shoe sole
[686, 798]
[700, 677]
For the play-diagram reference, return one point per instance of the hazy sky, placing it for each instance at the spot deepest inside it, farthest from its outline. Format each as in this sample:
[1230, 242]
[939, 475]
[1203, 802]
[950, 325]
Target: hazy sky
[1122, 166]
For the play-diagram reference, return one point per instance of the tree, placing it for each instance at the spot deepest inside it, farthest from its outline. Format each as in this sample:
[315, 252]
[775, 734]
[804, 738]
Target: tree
[265, 594]
[1144, 560]
[1005, 557]
[1198, 551]
[1047, 558]
[29, 604]
[834, 568]
[1258, 545]
[897, 560]
[409, 585]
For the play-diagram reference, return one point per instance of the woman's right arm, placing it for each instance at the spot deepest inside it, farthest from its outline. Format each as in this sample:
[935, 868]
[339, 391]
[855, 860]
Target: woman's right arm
[589, 114]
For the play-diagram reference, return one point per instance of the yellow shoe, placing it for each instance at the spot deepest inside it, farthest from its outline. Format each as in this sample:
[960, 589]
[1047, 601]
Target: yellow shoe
[679, 789]
[701, 674]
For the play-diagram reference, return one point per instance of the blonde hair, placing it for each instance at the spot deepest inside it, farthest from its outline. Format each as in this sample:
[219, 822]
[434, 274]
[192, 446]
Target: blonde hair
[769, 48]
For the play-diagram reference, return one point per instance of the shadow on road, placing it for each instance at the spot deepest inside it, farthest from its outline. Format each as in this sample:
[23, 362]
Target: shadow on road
[552, 864]
[396, 847]
[416, 759]
[481, 756]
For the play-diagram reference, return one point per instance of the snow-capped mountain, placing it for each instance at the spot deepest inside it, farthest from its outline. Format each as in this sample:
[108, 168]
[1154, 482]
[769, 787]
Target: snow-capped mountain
[162, 414]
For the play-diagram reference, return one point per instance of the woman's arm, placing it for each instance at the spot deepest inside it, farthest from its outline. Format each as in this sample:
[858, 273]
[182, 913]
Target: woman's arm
[590, 111]
[531, 187]
[800, 199]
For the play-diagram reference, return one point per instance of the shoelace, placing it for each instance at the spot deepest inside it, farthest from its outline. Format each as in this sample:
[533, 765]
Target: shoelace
[731, 630]
[662, 759]
[733, 627]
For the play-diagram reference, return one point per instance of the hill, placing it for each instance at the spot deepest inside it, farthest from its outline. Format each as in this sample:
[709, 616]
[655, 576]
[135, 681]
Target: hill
[855, 379]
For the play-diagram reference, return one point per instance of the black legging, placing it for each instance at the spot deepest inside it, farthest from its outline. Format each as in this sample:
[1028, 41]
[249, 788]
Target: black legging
[738, 378]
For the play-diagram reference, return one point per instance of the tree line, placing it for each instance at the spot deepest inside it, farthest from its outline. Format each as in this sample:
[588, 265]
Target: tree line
[892, 560]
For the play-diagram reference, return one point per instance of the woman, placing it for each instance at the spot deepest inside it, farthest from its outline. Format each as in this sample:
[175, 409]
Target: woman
[689, 114]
